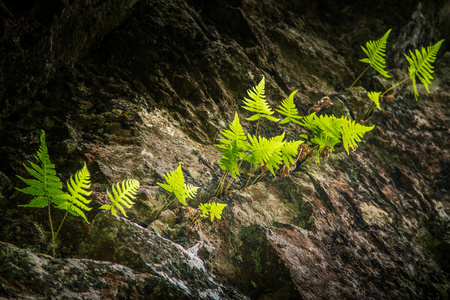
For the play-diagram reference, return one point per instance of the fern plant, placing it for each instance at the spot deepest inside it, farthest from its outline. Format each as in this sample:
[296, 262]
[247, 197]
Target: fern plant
[212, 210]
[266, 152]
[78, 187]
[177, 186]
[122, 194]
[46, 188]
[375, 51]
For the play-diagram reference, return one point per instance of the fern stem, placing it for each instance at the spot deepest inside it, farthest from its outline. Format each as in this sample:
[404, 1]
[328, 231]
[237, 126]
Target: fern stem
[219, 188]
[257, 127]
[252, 171]
[356, 80]
[396, 85]
[369, 112]
[260, 176]
[53, 232]
[229, 182]
[62, 222]
[197, 219]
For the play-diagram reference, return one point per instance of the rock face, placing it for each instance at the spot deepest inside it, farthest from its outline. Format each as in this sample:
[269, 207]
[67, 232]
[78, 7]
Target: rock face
[134, 87]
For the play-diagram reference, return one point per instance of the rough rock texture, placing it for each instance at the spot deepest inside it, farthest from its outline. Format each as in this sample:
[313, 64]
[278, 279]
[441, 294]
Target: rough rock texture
[134, 87]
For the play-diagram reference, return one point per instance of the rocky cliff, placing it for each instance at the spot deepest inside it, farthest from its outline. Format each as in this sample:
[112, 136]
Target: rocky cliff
[134, 87]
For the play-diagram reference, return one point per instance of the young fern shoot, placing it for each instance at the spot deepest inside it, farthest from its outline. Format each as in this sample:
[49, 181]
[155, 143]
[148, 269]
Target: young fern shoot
[213, 210]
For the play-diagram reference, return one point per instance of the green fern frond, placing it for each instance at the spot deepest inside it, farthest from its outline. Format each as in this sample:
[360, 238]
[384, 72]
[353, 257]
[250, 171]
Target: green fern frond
[375, 51]
[122, 194]
[46, 187]
[308, 121]
[375, 97]
[236, 133]
[352, 132]
[266, 152]
[78, 187]
[421, 65]
[323, 141]
[230, 159]
[234, 146]
[329, 125]
[176, 185]
[329, 130]
[289, 150]
[258, 103]
[213, 210]
[288, 109]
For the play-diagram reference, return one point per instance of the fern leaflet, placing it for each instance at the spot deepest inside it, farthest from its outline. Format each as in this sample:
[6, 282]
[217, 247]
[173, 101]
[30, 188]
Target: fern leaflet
[288, 109]
[352, 132]
[421, 65]
[122, 194]
[78, 188]
[258, 103]
[375, 52]
[288, 151]
[46, 187]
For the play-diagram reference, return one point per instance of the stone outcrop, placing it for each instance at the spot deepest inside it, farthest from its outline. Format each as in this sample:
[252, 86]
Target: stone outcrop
[134, 87]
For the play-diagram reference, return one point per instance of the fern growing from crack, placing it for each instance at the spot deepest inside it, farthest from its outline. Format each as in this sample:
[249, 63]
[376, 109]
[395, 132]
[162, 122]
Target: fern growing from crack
[46, 188]
[329, 130]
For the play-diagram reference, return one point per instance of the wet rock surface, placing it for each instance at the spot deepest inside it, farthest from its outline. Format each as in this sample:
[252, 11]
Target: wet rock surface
[134, 87]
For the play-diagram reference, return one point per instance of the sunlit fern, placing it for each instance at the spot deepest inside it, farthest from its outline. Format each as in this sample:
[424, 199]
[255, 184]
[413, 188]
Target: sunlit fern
[421, 65]
[78, 187]
[258, 103]
[288, 109]
[122, 194]
[375, 51]
[375, 97]
[176, 185]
